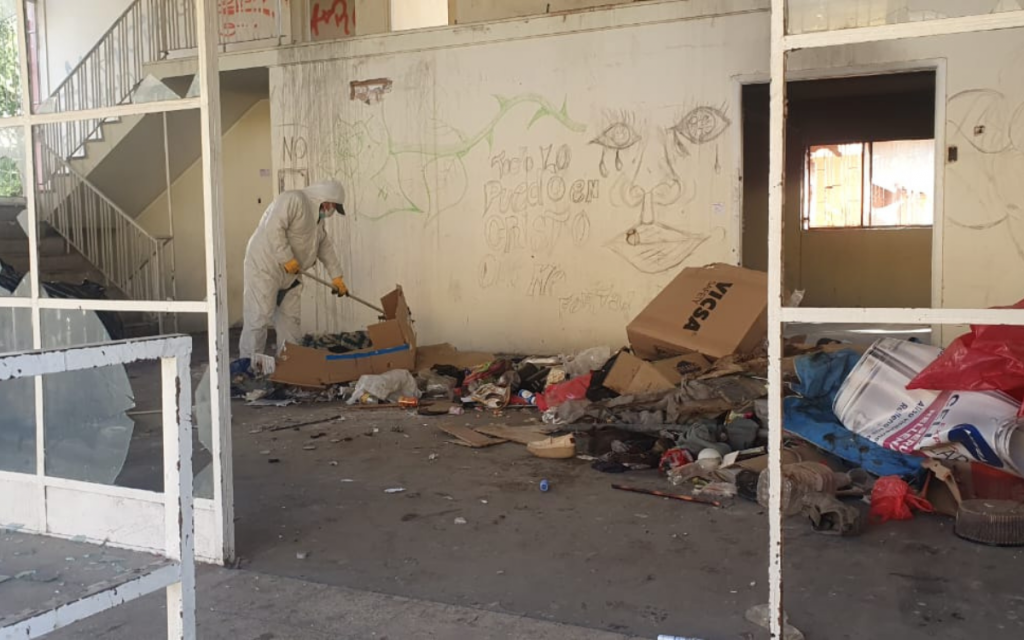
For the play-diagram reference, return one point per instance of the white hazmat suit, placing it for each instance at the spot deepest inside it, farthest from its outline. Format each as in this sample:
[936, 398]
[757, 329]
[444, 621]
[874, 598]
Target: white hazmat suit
[291, 230]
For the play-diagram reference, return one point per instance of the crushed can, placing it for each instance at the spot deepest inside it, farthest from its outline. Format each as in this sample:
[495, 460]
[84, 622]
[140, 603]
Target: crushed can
[407, 402]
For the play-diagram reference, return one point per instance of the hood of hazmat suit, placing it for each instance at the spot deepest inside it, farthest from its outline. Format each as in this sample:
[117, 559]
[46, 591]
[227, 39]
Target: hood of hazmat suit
[291, 229]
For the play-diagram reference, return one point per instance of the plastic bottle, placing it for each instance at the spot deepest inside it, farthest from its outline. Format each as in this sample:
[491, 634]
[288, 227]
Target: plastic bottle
[664, 637]
[544, 486]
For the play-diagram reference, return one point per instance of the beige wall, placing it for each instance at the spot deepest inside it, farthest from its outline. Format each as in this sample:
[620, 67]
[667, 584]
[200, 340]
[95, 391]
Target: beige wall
[466, 11]
[248, 189]
[422, 162]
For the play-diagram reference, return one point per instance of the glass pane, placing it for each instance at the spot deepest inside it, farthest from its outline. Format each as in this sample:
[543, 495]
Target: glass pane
[819, 15]
[10, 64]
[835, 187]
[14, 249]
[101, 57]
[902, 183]
[87, 426]
[102, 236]
[973, 435]
[17, 397]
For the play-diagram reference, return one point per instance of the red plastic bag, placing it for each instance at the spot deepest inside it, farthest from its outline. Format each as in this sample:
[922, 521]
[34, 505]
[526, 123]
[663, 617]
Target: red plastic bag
[556, 394]
[891, 500]
[989, 358]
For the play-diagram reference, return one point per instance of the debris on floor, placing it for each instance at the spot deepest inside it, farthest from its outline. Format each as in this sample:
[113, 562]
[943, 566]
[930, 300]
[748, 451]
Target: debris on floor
[897, 426]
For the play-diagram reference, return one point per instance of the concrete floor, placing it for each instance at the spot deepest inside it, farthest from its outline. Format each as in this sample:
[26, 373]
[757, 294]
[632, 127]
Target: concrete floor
[581, 554]
[242, 605]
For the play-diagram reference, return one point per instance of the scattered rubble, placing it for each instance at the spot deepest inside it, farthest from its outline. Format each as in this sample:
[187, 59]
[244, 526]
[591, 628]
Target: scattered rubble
[690, 401]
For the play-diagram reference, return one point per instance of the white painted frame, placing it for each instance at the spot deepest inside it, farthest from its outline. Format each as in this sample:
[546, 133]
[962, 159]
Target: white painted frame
[215, 531]
[778, 315]
[176, 577]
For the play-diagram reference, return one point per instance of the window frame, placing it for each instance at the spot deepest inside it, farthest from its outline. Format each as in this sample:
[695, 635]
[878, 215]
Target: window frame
[867, 179]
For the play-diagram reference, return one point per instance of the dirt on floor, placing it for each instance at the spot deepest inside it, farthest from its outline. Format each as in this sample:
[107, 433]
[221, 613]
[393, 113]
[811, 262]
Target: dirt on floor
[312, 503]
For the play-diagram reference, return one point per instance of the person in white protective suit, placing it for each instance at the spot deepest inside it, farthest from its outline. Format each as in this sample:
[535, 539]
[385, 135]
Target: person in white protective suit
[290, 238]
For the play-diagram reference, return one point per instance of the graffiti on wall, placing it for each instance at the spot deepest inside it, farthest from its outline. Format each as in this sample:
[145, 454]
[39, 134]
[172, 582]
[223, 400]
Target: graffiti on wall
[647, 160]
[413, 177]
[248, 18]
[534, 211]
[332, 18]
[987, 129]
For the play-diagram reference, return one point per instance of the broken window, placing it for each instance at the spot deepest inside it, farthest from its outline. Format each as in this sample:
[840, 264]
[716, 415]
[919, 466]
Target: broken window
[869, 184]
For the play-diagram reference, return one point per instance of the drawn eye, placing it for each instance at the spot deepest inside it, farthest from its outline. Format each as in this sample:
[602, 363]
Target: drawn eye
[618, 137]
[702, 124]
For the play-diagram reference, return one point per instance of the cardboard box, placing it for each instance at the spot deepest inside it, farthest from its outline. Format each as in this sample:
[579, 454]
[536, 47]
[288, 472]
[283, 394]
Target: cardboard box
[632, 376]
[394, 347]
[715, 310]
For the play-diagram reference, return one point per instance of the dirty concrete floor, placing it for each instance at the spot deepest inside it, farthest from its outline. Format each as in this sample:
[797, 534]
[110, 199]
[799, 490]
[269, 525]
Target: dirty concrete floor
[581, 553]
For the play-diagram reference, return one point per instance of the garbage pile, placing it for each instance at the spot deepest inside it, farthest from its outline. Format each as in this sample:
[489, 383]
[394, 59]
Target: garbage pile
[899, 425]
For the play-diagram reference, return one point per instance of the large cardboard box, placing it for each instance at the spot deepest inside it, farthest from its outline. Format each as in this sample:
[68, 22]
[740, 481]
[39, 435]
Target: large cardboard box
[716, 310]
[394, 347]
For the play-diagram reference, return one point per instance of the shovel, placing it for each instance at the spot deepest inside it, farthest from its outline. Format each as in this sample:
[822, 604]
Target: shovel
[348, 295]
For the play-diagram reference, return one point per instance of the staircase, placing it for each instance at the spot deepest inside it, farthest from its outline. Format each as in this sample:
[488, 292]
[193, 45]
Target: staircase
[84, 233]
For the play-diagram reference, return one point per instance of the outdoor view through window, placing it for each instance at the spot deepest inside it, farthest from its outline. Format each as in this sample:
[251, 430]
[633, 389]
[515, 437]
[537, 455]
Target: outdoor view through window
[869, 184]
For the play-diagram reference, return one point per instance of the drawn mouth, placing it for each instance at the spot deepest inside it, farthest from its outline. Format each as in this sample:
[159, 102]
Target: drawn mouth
[654, 247]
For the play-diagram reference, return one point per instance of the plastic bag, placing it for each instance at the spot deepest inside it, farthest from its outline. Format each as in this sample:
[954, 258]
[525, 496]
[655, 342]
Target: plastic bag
[588, 360]
[553, 396]
[989, 358]
[388, 387]
[891, 500]
[435, 385]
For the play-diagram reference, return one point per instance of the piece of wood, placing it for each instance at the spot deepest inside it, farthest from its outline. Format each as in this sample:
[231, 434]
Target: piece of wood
[671, 496]
[521, 435]
[469, 437]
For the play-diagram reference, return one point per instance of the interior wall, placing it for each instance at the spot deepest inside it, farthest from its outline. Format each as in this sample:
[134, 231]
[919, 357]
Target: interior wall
[840, 267]
[476, 281]
[70, 32]
[416, 14]
[248, 190]
[524, 206]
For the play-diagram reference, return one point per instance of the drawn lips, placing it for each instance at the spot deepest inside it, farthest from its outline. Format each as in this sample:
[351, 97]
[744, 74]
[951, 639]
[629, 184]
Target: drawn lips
[654, 247]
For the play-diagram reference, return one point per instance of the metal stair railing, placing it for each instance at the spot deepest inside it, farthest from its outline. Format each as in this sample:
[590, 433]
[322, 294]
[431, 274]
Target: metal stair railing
[105, 235]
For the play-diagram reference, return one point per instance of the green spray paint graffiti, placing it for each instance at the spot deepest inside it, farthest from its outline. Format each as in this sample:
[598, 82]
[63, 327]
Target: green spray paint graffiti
[418, 178]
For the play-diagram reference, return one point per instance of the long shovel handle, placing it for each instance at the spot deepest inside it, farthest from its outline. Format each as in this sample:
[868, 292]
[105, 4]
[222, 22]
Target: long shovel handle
[349, 295]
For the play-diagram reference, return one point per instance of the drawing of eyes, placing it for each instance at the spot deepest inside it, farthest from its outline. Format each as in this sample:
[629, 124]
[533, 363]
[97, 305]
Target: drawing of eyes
[700, 125]
[617, 137]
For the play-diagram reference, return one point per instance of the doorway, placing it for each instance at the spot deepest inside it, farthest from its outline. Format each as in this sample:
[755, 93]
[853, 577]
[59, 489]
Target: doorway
[860, 188]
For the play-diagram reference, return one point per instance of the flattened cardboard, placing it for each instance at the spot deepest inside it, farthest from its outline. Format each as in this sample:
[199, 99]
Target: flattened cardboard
[394, 347]
[632, 376]
[521, 435]
[715, 310]
[469, 438]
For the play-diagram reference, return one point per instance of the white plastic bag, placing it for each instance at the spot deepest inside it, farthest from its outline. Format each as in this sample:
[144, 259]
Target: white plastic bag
[387, 387]
[588, 360]
[950, 425]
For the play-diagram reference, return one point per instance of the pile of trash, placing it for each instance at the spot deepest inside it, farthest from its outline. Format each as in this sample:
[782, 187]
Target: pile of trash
[897, 425]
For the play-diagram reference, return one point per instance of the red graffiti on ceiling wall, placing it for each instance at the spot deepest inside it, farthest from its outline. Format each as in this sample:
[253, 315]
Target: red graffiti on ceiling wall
[244, 14]
[340, 14]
